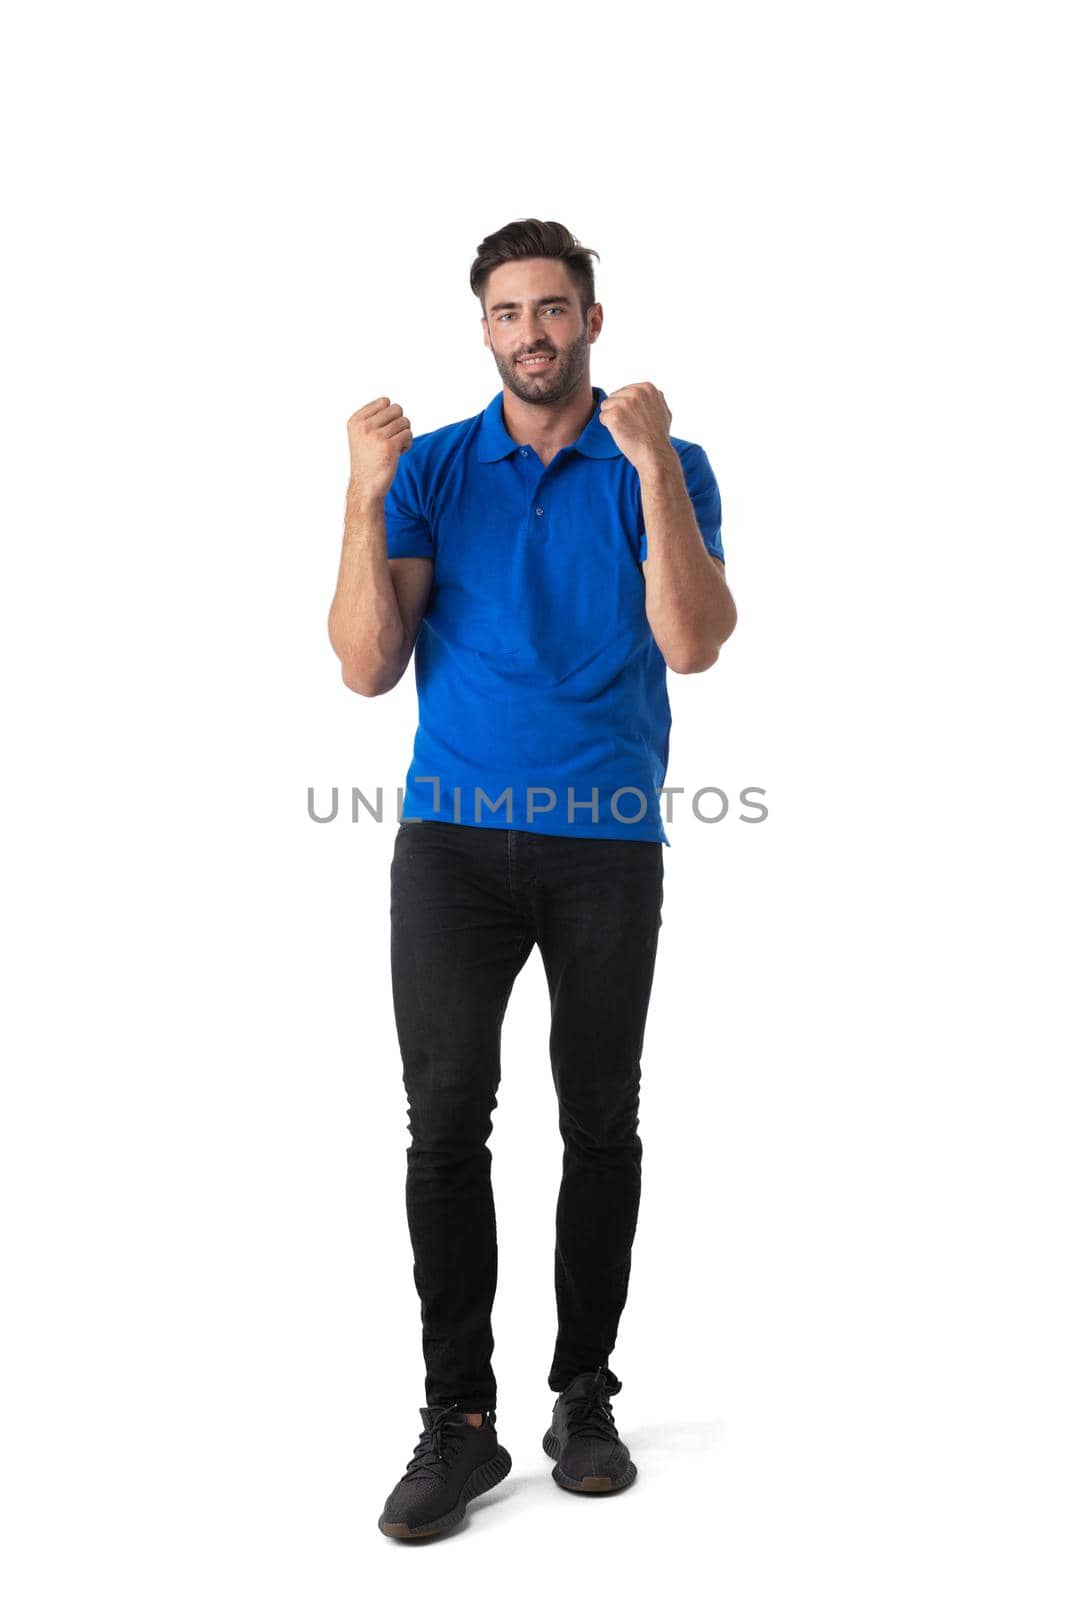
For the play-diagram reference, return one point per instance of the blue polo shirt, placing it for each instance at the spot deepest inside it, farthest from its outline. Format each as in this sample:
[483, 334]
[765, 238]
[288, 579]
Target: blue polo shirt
[542, 692]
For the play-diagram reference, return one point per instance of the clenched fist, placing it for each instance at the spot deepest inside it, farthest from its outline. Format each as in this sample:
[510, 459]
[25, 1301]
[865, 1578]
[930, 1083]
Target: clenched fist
[378, 434]
[639, 420]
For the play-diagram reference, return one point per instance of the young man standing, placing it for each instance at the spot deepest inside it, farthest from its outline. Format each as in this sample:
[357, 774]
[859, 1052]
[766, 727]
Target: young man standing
[546, 560]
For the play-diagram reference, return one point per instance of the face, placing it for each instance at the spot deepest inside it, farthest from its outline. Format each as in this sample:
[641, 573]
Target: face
[532, 309]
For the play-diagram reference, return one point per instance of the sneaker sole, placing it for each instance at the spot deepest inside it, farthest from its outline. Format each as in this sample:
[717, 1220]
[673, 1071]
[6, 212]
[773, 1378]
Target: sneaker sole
[585, 1485]
[484, 1478]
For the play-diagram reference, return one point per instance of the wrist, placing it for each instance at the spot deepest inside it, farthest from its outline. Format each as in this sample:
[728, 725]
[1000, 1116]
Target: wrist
[659, 465]
[365, 497]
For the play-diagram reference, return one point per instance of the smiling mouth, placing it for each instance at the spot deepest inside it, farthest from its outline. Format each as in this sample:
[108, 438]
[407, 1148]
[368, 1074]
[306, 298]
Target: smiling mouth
[534, 361]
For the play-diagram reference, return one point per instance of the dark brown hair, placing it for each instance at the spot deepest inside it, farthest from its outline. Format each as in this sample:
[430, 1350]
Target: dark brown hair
[527, 240]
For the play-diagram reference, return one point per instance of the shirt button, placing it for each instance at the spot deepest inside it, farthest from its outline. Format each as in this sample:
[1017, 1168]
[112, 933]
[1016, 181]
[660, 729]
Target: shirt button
[522, 452]
[540, 511]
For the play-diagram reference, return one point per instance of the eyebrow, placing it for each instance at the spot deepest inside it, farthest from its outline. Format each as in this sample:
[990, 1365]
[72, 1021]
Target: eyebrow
[545, 300]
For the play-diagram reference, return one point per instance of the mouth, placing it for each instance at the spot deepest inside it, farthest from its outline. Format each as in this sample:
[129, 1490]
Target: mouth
[533, 363]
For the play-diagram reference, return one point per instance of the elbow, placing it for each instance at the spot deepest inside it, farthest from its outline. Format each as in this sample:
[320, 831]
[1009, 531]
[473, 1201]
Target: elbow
[364, 673]
[696, 660]
[701, 653]
[362, 682]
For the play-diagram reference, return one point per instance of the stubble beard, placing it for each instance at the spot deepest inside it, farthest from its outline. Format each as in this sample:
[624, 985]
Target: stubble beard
[555, 382]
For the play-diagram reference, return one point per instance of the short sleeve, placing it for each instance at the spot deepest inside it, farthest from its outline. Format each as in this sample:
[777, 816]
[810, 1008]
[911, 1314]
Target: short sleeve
[407, 532]
[704, 494]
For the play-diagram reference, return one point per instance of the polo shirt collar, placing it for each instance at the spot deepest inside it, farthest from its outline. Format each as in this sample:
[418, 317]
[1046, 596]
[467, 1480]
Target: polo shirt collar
[495, 442]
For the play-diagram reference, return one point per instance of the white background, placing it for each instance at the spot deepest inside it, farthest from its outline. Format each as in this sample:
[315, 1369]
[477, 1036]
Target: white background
[830, 234]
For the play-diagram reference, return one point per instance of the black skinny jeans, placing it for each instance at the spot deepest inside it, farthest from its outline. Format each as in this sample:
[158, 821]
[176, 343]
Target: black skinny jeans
[468, 904]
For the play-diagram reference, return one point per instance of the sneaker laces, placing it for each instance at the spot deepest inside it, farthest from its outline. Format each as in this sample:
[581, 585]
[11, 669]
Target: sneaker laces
[589, 1415]
[438, 1444]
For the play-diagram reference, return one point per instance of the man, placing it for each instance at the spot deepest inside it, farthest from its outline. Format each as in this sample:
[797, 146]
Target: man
[546, 560]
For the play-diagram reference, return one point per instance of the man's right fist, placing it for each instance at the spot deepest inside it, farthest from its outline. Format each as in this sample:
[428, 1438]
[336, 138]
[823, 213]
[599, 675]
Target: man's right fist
[378, 434]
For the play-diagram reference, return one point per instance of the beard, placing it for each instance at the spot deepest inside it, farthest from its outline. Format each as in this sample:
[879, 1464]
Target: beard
[555, 381]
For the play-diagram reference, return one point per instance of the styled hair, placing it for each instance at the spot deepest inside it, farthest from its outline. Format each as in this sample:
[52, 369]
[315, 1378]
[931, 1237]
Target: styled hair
[527, 240]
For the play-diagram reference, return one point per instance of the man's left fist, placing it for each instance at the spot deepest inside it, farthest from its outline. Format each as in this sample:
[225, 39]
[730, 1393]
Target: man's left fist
[639, 420]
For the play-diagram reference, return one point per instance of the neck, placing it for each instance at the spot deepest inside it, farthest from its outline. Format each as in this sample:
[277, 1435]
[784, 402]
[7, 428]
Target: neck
[548, 428]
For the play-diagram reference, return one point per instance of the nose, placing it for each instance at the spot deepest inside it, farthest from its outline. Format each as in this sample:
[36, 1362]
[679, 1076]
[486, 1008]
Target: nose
[531, 337]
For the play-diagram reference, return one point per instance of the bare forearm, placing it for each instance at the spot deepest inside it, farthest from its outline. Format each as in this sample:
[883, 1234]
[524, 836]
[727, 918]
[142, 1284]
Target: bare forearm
[689, 607]
[366, 627]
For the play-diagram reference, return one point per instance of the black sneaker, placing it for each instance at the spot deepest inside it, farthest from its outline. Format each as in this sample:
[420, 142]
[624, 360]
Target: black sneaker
[454, 1461]
[583, 1439]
